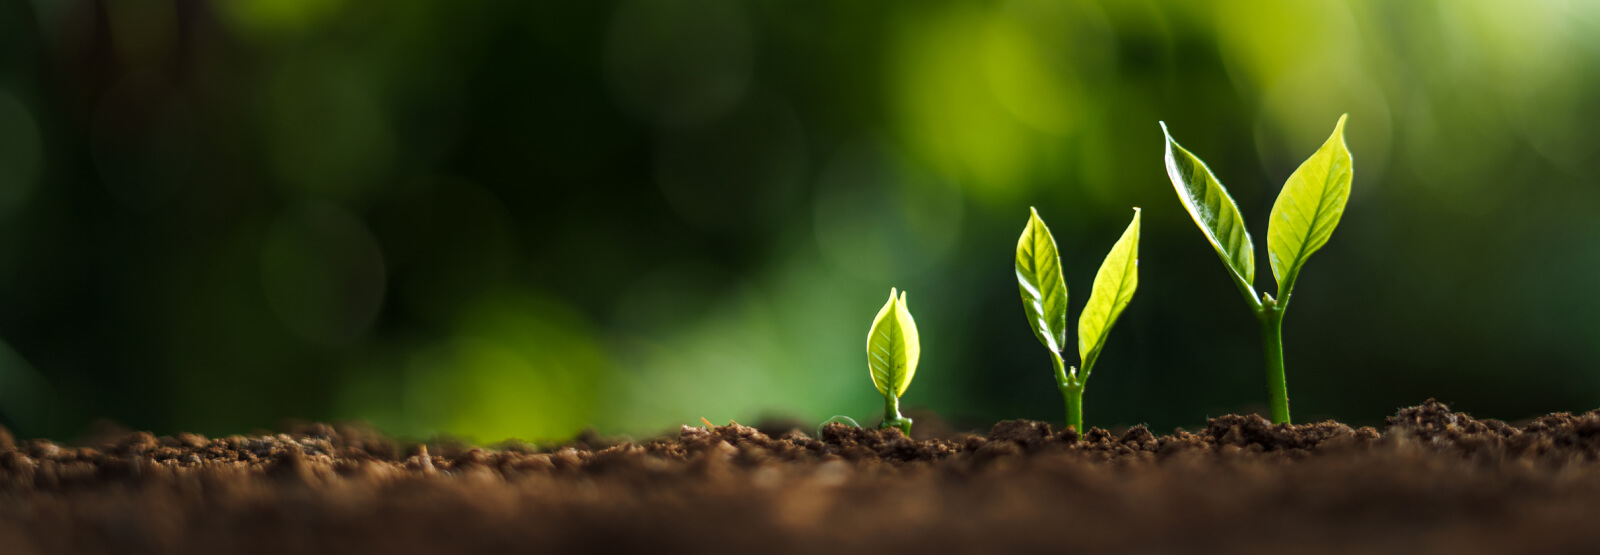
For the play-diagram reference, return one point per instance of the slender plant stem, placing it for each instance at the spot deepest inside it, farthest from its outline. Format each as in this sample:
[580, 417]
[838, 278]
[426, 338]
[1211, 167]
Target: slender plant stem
[1271, 317]
[1071, 391]
[891, 414]
[1073, 395]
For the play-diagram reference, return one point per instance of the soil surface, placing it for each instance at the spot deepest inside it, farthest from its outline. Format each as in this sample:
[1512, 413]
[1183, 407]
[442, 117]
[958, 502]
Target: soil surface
[1432, 481]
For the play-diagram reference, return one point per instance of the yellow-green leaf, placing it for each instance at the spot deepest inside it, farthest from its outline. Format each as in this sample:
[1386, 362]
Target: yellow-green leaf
[893, 347]
[1114, 285]
[1044, 292]
[1308, 209]
[1214, 211]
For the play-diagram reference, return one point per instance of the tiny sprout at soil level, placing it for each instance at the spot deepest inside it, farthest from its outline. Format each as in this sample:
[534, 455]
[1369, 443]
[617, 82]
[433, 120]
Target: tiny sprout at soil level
[892, 353]
[1044, 300]
[1303, 219]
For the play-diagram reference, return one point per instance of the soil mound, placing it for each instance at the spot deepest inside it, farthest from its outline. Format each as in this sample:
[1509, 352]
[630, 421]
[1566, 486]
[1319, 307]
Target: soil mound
[1433, 481]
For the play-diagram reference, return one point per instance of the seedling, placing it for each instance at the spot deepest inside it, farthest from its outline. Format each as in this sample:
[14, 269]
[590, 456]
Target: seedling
[1303, 218]
[892, 353]
[1044, 299]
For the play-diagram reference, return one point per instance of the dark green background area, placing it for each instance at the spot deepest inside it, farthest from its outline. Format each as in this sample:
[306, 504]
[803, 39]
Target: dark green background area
[521, 219]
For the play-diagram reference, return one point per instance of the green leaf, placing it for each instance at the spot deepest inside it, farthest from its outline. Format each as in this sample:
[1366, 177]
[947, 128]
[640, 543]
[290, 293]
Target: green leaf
[893, 347]
[1114, 285]
[1308, 209]
[1044, 292]
[1214, 211]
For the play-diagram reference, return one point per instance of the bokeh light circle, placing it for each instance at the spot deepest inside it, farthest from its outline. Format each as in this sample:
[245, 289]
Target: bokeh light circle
[322, 273]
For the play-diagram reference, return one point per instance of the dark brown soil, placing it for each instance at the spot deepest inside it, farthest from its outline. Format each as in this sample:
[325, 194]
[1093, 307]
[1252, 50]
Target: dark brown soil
[1432, 482]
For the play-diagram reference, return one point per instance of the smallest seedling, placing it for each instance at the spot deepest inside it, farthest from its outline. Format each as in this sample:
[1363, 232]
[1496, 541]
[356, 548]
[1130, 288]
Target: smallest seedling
[892, 353]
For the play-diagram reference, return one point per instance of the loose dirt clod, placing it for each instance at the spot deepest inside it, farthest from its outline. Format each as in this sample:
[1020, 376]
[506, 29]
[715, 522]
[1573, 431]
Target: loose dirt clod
[1434, 481]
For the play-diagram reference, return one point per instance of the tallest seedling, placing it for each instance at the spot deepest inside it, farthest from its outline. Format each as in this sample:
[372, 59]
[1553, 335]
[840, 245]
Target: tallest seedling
[1307, 210]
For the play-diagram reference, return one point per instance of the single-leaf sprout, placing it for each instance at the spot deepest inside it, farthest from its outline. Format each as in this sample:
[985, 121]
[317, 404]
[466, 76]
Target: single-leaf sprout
[1303, 219]
[1044, 300]
[892, 353]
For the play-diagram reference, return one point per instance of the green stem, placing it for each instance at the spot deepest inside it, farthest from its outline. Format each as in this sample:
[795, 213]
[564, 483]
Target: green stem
[1073, 395]
[1271, 317]
[891, 414]
[1071, 391]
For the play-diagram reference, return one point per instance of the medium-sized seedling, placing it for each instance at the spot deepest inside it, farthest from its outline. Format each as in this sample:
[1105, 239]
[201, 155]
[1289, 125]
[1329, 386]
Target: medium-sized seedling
[1303, 218]
[1044, 299]
[892, 353]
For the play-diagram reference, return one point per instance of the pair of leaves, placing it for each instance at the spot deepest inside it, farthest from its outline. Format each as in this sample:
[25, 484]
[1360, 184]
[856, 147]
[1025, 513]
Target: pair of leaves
[1044, 292]
[1303, 218]
[893, 347]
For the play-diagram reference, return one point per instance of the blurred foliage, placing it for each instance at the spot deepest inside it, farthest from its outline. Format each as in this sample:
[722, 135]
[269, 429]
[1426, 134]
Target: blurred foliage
[523, 218]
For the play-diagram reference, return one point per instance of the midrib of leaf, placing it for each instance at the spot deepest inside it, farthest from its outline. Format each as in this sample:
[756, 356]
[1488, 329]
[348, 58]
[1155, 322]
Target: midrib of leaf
[1301, 253]
[1124, 293]
[887, 372]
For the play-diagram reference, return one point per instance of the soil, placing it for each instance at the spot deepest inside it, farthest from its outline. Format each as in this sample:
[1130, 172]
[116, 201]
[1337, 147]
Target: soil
[1433, 481]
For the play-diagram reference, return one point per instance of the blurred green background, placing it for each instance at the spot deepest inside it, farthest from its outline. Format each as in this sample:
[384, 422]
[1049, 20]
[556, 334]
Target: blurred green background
[519, 219]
